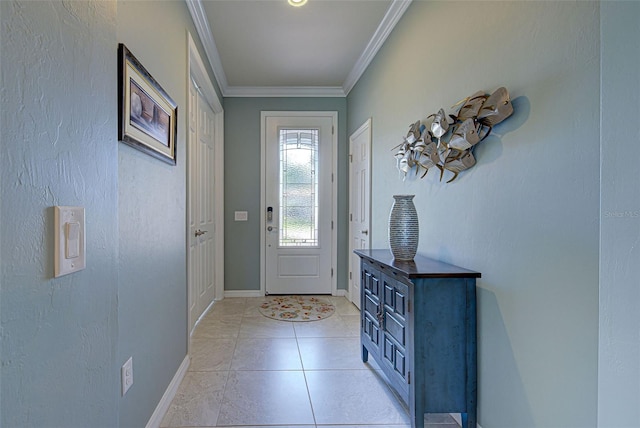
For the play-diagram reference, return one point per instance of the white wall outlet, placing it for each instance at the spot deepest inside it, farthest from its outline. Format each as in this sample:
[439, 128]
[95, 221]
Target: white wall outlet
[70, 240]
[126, 373]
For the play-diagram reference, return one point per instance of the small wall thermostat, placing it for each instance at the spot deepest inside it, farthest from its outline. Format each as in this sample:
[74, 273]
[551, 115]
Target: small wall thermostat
[69, 240]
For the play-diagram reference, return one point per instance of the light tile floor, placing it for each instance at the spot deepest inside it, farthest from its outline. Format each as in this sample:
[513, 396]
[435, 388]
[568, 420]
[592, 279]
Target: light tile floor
[251, 371]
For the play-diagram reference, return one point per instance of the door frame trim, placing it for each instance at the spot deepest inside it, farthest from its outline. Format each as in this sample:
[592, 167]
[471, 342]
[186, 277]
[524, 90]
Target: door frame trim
[334, 189]
[197, 70]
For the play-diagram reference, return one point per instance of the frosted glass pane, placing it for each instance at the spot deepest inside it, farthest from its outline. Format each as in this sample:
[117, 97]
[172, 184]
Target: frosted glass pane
[298, 187]
[299, 172]
[298, 227]
[299, 200]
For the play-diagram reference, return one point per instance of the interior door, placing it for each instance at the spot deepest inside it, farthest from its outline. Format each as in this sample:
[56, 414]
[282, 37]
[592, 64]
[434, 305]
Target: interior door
[201, 205]
[298, 202]
[359, 203]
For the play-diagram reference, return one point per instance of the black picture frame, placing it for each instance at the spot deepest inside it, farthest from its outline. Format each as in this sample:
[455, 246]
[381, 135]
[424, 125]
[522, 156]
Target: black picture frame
[147, 115]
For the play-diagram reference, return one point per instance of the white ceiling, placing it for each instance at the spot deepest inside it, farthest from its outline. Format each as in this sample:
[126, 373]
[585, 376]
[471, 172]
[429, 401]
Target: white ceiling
[269, 48]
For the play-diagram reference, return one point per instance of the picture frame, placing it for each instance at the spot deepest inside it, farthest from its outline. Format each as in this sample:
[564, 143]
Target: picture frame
[147, 116]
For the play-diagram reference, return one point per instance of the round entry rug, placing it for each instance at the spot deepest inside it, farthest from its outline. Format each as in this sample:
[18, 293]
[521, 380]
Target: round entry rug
[297, 308]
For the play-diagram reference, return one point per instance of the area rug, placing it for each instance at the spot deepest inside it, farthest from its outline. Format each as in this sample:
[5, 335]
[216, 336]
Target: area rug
[297, 308]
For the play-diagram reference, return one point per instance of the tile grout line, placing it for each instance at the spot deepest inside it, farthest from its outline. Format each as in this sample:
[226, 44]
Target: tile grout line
[343, 333]
[226, 382]
[304, 374]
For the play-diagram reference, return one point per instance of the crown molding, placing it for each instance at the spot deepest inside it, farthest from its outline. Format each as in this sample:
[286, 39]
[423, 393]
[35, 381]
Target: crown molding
[285, 91]
[199, 17]
[388, 23]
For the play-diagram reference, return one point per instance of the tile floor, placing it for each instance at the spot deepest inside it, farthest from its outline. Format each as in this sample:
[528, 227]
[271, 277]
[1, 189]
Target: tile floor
[251, 371]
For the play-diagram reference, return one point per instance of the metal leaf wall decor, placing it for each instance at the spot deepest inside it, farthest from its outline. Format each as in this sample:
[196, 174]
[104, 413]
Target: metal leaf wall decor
[448, 142]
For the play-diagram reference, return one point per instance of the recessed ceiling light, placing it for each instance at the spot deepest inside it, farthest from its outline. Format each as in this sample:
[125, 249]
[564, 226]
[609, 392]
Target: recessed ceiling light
[297, 3]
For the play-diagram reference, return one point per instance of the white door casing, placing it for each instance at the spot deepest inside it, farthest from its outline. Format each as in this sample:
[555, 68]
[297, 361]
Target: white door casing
[359, 203]
[205, 258]
[291, 264]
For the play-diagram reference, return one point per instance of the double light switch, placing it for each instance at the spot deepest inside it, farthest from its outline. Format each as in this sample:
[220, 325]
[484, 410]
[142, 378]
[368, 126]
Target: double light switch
[69, 240]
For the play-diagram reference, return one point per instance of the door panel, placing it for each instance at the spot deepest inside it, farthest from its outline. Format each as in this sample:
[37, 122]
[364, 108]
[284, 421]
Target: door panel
[298, 266]
[193, 255]
[201, 212]
[359, 203]
[298, 195]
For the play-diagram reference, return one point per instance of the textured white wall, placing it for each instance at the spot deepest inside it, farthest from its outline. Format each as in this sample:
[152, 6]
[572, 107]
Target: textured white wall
[526, 215]
[64, 340]
[619, 361]
[59, 147]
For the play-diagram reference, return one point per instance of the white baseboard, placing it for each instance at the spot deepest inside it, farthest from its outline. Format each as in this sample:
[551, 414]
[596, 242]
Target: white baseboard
[258, 293]
[341, 293]
[243, 293]
[169, 394]
[458, 420]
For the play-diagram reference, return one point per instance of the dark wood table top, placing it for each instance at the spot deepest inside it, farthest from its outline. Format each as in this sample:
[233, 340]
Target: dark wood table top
[419, 267]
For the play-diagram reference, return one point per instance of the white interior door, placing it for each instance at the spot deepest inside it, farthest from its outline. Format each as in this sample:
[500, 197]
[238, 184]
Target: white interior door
[359, 203]
[298, 204]
[201, 205]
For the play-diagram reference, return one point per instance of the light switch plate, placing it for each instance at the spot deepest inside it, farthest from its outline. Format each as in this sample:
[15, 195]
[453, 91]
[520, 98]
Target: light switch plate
[241, 216]
[69, 240]
[126, 374]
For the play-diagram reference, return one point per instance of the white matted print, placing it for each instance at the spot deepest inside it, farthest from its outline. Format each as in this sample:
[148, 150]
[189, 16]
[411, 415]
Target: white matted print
[147, 115]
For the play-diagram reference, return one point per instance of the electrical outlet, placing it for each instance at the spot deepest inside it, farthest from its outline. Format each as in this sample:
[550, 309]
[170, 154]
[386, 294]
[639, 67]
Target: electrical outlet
[126, 373]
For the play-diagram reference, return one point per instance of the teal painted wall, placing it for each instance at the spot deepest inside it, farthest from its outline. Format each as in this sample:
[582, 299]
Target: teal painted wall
[618, 367]
[152, 286]
[527, 215]
[64, 340]
[242, 184]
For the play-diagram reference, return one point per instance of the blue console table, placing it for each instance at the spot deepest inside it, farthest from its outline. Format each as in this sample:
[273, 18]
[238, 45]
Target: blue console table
[418, 322]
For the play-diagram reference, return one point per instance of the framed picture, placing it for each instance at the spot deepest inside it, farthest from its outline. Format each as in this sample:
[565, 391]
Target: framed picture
[147, 116]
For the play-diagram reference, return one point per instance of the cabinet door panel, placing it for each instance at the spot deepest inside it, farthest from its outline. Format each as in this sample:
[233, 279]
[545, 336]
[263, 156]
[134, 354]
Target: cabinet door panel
[388, 293]
[394, 358]
[370, 277]
[399, 362]
[400, 303]
[371, 330]
[371, 306]
[400, 298]
[395, 328]
[388, 350]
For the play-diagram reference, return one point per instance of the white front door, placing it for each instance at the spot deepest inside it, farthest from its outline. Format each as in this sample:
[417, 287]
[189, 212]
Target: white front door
[298, 203]
[359, 203]
[201, 205]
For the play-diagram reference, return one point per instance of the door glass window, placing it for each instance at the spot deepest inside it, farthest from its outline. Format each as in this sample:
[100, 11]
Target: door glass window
[298, 188]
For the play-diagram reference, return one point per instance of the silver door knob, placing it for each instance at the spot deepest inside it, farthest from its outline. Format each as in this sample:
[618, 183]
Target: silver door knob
[270, 228]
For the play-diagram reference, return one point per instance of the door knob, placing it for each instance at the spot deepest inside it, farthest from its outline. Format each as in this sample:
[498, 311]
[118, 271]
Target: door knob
[364, 232]
[200, 232]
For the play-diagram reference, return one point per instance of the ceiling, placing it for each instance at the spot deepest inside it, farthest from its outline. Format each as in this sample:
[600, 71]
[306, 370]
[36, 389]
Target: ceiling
[269, 48]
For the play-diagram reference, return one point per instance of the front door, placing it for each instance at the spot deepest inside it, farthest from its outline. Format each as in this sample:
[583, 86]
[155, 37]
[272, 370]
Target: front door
[298, 203]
